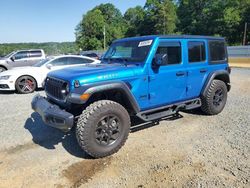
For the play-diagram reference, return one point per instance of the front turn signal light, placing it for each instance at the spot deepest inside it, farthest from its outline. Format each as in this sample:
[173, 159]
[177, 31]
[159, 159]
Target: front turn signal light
[85, 96]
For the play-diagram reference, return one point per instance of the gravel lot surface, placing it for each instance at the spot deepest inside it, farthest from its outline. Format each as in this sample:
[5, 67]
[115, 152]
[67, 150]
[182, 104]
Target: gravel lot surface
[193, 150]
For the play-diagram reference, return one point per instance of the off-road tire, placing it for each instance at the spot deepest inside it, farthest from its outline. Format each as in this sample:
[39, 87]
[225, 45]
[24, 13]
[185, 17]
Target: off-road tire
[208, 106]
[88, 122]
[29, 78]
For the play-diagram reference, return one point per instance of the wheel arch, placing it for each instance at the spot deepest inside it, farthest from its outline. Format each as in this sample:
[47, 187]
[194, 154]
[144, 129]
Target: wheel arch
[217, 75]
[4, 67]
[117, 91]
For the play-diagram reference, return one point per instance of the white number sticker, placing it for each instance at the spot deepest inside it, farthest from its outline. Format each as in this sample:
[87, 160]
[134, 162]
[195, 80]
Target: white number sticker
[145, 43]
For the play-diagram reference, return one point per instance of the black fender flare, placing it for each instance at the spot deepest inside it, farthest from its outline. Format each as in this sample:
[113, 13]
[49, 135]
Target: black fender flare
[74, 96]
[222, 75]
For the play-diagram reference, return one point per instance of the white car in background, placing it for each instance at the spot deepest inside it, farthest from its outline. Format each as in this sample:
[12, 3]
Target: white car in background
[27, 79]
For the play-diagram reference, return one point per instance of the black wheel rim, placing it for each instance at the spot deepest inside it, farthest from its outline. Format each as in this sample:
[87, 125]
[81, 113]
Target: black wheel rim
[218, 97]
[26, 85]
[108, 130]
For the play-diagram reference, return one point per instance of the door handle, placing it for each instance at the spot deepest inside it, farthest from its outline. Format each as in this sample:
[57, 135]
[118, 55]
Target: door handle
[203, 70]
[180, 73]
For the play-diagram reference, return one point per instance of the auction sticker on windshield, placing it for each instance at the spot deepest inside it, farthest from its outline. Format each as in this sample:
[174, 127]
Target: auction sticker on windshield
[145, 43]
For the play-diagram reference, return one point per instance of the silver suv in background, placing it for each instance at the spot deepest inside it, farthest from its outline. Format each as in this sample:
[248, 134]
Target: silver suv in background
[21, 58]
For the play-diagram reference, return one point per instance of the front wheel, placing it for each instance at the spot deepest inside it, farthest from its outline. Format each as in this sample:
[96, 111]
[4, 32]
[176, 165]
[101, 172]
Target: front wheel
[26, 84]
[215, 98]
[103, 128]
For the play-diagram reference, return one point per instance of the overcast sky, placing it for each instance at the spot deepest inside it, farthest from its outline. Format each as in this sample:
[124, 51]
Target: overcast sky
[47, 20]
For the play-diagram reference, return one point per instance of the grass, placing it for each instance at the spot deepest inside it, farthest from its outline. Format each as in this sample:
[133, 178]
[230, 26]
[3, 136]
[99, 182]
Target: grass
[239, 62]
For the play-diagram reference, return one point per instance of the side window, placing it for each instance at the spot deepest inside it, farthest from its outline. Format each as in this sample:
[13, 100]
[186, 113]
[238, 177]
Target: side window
[173, 50]
[36, 53]
[76, 61]
[21, 55]
[217, 51]
[196, 52]
[60, 61]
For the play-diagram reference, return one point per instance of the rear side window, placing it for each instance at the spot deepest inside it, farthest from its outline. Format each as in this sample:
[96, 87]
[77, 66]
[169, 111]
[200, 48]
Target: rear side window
[60, 61]
[196, 52]
[173, 50]
[217, 51]
[36, 53]
[76, 60]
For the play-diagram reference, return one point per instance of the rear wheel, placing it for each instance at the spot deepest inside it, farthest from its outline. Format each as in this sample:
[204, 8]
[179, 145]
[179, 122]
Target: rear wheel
[2, 69]
[215, 98]
[26, 84]
[103, 128]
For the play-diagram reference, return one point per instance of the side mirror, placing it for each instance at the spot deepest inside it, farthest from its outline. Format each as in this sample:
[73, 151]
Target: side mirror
[160, 59]
[12, 58]
[49, 66]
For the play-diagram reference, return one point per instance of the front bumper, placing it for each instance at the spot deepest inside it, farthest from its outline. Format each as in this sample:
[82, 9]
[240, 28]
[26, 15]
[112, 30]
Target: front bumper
[6, 85]
[52, 115]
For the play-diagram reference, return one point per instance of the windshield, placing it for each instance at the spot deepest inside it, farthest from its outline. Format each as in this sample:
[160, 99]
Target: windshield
[42, 62]
[9, 55]
[128, 51]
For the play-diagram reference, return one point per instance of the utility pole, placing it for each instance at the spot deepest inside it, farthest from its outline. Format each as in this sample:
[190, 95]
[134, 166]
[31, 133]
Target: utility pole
[104, 38]
[164, 23]
[245, 35]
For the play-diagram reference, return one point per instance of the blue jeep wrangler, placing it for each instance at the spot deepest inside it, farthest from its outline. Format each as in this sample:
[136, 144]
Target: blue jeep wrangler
[148, 78]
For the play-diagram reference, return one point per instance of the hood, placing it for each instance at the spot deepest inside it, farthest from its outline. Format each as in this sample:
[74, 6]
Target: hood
[20, 70]
[95, 73]
[3, 59]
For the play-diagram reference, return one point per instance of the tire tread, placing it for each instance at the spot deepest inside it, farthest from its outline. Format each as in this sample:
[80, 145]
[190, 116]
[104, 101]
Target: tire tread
[84, 126]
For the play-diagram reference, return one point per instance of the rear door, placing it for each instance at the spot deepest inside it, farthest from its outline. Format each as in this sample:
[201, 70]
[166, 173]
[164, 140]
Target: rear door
[34, 57]
[59, 63]
[197, 66]
[74, 61]
[167, 83]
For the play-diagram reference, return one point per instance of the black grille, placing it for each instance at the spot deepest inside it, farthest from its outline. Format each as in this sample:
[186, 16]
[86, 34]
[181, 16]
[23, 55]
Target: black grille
[54, 87]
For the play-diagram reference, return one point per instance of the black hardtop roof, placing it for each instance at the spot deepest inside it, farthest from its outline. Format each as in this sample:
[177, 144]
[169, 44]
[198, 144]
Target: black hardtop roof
[152, 37]
[191, 37]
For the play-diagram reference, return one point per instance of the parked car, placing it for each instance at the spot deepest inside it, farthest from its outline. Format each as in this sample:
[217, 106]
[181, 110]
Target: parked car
[92, 55]
[21, 58]
[27, 79]
[148, 78]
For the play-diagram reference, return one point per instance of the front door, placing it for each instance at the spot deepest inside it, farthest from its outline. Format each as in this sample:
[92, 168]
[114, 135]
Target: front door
[20, 59]
[167, 83]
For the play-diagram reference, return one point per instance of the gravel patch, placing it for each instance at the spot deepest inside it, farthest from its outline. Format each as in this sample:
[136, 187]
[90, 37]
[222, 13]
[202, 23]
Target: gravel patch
[193, 150]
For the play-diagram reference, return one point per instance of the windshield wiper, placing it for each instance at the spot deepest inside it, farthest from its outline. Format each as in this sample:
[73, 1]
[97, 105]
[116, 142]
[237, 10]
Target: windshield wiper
[124, 60]
[107, 59]
[111, 60]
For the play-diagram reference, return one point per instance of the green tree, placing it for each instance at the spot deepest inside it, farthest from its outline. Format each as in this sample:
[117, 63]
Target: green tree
[89, 32]
[214, 17]
[160, 17]
[134, 18]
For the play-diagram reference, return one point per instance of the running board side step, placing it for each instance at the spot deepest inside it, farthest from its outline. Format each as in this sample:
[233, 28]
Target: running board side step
[165, 111]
